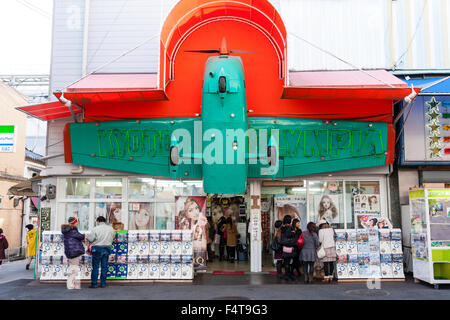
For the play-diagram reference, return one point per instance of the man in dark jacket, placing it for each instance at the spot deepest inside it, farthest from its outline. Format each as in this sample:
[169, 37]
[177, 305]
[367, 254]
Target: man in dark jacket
[73, 249]
[289, 247]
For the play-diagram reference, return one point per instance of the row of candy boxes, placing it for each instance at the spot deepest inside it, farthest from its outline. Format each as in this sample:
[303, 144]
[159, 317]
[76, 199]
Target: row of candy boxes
[366, 234]
[355, 270]
[353, 247]
[142, 271]
[133, 248]
[120, 259]
[131, 236]
[370, 259]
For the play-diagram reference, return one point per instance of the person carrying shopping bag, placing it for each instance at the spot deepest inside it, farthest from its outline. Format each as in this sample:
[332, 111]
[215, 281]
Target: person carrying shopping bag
[327, 241]
[73, 249]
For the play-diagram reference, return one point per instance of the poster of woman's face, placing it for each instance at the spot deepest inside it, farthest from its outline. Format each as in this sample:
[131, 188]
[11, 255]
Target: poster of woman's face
[191, 214]
[141, 216]
[216, 213]
[327, 208]
[114, 210]
[293, 206]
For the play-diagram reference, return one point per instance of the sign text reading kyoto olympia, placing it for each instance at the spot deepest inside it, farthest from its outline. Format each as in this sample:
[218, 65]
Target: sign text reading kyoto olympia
[292, 143]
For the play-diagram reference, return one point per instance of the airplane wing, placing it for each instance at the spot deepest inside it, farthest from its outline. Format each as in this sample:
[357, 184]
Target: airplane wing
[307, 146]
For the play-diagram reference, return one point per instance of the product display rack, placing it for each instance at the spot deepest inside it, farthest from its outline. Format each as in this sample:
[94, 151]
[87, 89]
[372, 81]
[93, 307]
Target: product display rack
[430, 235]
[365, 254]
[143, 255]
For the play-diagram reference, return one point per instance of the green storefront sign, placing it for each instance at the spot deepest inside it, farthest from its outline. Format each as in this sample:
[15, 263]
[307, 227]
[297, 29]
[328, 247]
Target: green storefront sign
[303, 146]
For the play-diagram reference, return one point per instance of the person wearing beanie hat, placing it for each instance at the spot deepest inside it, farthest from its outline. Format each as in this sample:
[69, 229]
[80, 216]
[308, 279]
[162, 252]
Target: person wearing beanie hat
[31, 244]
[73, 249]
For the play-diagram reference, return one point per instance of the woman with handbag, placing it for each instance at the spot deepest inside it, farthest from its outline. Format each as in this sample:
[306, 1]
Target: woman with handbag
[327, 241]
[276, 247]
[309, 251]
[289, 247]
[297, 234]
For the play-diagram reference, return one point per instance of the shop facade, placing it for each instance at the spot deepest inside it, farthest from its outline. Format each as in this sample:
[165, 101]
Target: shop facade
[423, 173]
[138, 147]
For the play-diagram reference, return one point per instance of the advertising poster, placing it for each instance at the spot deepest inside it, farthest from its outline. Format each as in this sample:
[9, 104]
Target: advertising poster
[191, 215]
[295, 206]
[228, 207]
[141, 216]
[372, 222]
[366, 203]
[327, 207]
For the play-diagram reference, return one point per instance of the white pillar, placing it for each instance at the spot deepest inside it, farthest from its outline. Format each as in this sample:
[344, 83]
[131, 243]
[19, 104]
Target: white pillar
[255, 226]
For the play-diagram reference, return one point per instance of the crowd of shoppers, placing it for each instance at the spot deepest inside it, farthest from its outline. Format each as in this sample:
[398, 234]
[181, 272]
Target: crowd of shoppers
[294, 247]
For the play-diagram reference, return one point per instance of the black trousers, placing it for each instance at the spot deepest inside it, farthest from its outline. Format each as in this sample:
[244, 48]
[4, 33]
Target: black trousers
[328, 268]
[287, 266]
[296, 266]
[231, 253]
[210, 252]
[308, 267]
[221, 252]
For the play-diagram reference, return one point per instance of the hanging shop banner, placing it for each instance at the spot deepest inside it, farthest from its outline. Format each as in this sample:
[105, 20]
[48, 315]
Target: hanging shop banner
[191, 215]
[6, 138]
[295, 206]
[427, 131]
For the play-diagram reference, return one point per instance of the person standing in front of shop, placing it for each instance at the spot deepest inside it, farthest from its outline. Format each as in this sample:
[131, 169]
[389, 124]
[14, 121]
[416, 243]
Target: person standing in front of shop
[3, 246]
[277, 248]
[101, 238]
[327, 240]
[73, 249]
[232, 238]
[289, 247]
[223, 240]
[210, 233]
[309, 254]
[296, 260]
[31, 244]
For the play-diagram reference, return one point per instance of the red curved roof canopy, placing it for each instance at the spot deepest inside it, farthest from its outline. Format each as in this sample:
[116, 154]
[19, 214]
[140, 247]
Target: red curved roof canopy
[189, 15]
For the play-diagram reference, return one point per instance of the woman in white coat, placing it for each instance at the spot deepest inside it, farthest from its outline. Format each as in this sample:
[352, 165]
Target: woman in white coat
[327, 240]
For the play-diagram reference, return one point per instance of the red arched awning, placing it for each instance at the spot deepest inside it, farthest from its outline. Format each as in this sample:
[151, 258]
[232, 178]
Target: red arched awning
[189, 15]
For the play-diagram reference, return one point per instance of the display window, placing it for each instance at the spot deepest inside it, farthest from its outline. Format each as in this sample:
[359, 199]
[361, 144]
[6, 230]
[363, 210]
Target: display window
[108, 188]
[345, 204]
[76, 188]
[138, 203]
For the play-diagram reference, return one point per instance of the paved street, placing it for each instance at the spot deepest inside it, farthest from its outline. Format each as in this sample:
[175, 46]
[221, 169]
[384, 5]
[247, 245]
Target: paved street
[16, 283]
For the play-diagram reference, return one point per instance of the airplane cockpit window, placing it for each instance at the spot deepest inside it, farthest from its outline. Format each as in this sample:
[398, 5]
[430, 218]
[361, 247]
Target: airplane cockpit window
[222, 84]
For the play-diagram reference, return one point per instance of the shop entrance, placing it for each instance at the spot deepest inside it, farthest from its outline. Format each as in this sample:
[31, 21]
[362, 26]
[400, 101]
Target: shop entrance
[228, 259]
[237, 207]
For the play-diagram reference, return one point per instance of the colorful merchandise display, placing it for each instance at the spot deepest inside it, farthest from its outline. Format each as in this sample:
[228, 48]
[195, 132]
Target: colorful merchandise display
[430, 234]
[135, 255]
[369, 253]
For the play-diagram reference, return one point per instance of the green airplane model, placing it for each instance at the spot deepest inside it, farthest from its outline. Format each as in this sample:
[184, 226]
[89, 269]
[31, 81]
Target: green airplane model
[226, 146]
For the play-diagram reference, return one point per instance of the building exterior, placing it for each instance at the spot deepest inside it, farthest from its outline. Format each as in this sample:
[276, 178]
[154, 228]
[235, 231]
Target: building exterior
[125, 78]
[12, 161]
